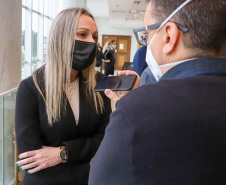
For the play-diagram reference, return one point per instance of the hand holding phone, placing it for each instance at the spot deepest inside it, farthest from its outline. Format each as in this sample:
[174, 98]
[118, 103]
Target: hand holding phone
[116, 83]
[113, 95]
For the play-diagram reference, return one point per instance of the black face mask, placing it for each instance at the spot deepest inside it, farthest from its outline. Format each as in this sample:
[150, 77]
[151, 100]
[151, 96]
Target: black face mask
[83, 55]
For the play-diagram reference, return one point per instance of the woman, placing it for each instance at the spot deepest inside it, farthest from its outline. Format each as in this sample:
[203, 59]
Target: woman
[108, 66]
[60, 121]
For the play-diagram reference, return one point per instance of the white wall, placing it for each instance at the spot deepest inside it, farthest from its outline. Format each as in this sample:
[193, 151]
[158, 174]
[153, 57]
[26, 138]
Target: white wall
[104, 28]
[64, 4]
[103, 24]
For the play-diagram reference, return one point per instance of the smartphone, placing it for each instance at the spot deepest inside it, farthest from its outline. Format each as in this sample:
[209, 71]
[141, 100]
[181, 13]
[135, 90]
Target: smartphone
[116, 83]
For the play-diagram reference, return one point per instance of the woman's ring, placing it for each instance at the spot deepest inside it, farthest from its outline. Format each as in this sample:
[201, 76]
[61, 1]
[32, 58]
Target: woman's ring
[35, 165]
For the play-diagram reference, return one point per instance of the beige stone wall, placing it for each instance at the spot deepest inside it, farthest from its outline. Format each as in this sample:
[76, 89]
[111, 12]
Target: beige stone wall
[10, 44]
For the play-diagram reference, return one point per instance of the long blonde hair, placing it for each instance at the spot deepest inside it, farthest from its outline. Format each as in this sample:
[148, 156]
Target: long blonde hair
[58, 66]
[106, 47]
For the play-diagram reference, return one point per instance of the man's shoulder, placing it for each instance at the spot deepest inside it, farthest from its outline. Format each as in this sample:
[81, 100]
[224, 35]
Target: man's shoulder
[146, 89]
[166, 91]
[136, 97]
[150, 95]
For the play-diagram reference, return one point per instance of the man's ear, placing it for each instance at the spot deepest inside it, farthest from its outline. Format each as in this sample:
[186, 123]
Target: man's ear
[171, 37]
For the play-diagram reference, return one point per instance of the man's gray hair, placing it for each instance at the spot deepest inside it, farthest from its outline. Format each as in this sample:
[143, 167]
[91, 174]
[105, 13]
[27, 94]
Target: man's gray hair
[205, 21]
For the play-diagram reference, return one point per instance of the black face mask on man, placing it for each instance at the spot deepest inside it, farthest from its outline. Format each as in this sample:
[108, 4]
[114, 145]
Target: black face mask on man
[84, 54]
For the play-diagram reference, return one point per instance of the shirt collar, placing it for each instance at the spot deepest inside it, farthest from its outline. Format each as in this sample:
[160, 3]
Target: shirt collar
[198, 66]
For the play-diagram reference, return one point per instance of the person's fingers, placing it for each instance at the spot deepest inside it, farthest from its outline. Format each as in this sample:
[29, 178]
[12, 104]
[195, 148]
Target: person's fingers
[129, 72]
[43, 158]
[123, 93]
[122, 73]
[26, 161]
[112, 95]
[38, 168]
[42, 164]
[27, 154]
[29, 166]
[137, 82]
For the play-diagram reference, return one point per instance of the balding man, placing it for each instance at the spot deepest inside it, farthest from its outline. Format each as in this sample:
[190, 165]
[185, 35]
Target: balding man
[172, 132]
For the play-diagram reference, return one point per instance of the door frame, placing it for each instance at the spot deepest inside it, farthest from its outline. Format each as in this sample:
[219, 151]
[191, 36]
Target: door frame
[116, 38]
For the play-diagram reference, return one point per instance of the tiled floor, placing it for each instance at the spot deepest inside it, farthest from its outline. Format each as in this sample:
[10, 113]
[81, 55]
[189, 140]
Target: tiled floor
[98, 69]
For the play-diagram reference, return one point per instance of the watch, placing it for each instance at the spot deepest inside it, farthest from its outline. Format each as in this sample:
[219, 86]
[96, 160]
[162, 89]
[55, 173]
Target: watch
[63, 154]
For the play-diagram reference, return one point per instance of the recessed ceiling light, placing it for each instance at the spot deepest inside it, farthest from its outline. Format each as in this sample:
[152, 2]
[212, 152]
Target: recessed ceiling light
[119, 11]
[132, 11]
[136, 2]
[133, 19]
[142, 11]
[135, 15]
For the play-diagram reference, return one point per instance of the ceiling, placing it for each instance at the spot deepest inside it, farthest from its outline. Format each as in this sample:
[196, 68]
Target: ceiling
[118, 11]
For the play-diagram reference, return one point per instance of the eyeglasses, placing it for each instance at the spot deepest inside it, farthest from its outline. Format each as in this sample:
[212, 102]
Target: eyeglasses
[142, 34]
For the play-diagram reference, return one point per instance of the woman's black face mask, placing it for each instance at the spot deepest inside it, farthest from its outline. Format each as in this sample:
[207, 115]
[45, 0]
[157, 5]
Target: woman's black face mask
[84, 54]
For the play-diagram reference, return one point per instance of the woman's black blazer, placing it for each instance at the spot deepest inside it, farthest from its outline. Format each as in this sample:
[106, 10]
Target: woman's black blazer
[108, 56]
[82, 141]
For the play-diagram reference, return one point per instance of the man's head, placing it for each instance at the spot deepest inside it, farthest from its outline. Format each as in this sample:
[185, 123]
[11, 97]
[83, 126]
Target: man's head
[113, 43]
[204, 19]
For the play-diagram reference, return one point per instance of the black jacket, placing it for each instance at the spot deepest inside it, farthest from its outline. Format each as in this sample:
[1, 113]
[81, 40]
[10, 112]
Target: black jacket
[108, 56]
[168, 133]
[99, 57]
[112, 51]
[82, 141]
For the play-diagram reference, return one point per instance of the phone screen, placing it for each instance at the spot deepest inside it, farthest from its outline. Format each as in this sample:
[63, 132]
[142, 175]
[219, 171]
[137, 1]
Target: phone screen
[116, 83]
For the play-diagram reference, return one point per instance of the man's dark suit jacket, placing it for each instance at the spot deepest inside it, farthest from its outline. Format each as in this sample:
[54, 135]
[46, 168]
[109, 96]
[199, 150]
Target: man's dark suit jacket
[82, 141]
[172, 132]
[112, 51]
[139, 60]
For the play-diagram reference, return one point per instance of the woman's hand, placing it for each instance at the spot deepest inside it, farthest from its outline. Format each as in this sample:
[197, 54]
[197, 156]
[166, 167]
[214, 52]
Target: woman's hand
[113, 95]
[107, 61]
[37, 160]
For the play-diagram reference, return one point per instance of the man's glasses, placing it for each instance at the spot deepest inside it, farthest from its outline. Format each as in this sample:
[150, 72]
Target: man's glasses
[142, 35]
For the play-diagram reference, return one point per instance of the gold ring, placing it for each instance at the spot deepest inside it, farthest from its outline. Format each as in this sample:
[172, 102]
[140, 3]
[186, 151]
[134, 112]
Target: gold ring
[35, 165]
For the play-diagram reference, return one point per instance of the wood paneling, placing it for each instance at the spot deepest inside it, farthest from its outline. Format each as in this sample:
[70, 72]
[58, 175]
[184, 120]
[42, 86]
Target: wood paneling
[123, 47]
[121, 60]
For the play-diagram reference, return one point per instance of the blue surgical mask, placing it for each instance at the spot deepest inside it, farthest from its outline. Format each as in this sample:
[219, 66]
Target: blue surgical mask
[150, 59]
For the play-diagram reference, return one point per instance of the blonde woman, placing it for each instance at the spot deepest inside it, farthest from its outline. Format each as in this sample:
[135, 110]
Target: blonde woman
[108, 65]
[60, 121]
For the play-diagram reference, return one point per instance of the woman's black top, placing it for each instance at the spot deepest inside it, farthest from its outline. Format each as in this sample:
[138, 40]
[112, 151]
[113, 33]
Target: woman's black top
[82, 141]
[108, 56]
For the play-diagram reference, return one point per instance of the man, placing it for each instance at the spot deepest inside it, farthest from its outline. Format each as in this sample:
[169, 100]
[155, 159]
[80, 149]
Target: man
[139, 62]
[113, 51]
[140, 67]
[172, 132]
